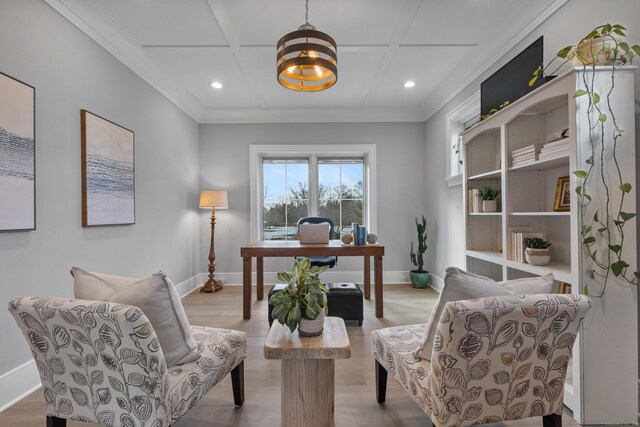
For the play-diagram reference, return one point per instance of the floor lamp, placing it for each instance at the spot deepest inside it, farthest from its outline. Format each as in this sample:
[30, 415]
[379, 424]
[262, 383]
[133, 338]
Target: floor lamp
[213, 199]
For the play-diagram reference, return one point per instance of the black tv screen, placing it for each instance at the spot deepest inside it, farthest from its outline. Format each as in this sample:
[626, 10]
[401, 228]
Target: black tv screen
[512, 80]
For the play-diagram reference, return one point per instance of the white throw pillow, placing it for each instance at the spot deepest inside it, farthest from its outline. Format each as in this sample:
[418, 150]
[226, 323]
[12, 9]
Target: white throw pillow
[460, 285]
[158, 299]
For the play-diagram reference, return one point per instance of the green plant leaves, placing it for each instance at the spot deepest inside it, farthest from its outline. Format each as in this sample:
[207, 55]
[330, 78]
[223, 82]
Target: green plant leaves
[579, 93]
[626, 187]
[626, 216]
[585, 230]
[615, 248]
[562, 53]
[580, 174]
[596, 97]
[589, 241]
[602, 117]
[618, 266]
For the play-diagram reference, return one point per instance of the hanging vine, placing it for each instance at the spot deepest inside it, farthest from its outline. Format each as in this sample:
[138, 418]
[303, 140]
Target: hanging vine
[605, 230]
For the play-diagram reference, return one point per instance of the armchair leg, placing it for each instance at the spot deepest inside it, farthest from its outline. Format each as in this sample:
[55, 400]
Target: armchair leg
[552, 420]
[56, 422]
[381, 384]
[237, 382]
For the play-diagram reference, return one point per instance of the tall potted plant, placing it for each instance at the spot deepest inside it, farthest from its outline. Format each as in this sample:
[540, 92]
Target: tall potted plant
[420, 277]
[303, 303]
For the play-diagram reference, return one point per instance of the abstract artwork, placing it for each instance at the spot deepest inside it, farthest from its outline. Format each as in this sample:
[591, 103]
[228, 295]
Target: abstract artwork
[17, 155]
[108, 177]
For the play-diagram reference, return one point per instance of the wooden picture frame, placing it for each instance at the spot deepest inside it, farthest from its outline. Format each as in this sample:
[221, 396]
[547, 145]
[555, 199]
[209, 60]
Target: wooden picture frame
[108, 172]
[562, 201]
[17, 155]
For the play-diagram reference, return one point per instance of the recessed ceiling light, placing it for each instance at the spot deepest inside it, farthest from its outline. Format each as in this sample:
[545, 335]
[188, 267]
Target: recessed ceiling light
[409, 84]
[216, 85]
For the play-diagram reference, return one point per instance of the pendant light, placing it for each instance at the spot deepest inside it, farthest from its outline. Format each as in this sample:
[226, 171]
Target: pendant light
[307, 59]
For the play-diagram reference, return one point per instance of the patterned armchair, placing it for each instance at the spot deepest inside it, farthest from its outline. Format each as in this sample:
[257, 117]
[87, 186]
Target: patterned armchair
[494, 359]
[101, 362]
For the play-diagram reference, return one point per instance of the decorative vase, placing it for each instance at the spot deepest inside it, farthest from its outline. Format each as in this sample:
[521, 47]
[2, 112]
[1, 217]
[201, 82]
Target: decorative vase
[595, 51]
[537, 256]
[372, 238]
[311, 328]
[420, 280]
[489, 206]
[347, 238]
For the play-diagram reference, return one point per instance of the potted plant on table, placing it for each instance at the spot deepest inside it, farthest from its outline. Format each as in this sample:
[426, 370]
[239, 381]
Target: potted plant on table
[537, 251]
[489, 195]
[420, 277]
[303, 303]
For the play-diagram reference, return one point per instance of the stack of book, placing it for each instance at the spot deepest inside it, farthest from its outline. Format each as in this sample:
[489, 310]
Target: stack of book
[517, 247]
[473, 202]
[555, 149]
[525, 155]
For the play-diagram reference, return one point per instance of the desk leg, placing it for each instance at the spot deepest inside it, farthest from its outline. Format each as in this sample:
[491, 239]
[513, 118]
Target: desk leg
[260, 278]
[377, 266]
[367, 277]
[246, 287]
[308, 392]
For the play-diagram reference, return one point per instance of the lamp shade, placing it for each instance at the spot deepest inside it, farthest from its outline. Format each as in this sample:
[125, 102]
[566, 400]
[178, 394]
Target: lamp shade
[213, 199]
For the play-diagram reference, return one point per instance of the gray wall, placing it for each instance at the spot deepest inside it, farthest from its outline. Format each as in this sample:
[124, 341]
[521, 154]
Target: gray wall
[572, 22]
[70, 72]
[401, 177]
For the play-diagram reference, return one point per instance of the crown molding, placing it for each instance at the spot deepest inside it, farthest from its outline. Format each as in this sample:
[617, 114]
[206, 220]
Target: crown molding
[311, 115]
[91, 19]
[456, 82]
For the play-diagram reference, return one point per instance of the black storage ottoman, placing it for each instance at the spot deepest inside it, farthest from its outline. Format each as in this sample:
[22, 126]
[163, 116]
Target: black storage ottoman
[345, 300]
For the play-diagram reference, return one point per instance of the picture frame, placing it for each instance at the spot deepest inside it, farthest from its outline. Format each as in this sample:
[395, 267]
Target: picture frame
[17, 155]
[562, 201]
[108, 172]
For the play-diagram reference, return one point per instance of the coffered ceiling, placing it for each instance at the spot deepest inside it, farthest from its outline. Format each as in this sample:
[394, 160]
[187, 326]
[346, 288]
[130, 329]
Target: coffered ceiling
[181, 46]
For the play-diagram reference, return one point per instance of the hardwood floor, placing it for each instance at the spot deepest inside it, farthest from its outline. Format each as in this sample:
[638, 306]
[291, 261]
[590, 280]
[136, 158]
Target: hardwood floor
[355, 402]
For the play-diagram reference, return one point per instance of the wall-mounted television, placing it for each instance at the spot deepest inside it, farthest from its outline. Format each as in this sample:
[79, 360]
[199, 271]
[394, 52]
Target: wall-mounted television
[512, 80]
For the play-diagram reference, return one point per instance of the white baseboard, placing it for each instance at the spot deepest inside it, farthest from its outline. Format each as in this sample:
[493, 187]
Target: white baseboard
[18, 383]
[233, 278]
[191, 284]
[436, 283]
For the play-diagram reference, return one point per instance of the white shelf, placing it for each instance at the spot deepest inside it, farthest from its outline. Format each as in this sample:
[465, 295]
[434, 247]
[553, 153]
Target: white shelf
[490, 256]
[485, 213]
[560, 271]
[540, 213]
[487, 175]
[540, 165]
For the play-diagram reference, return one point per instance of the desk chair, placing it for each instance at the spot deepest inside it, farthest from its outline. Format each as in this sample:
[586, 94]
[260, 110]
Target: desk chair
[329, 261]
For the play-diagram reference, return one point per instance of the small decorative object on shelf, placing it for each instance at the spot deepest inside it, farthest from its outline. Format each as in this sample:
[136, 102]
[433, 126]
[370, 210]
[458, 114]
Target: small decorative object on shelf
[303, 303]
[489, 196]
[420, 277]
[372, 238]
[537, 252]
[347, 238]
[562, 201]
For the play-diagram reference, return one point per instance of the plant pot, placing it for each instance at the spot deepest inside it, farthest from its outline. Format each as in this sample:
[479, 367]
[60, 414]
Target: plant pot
[489, 206]
[595, 51]
[537, 256]
[420, 280]
[311, 328]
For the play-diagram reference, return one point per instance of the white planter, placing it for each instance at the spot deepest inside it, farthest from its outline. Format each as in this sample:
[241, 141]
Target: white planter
[597, 50]
[489, 206]
[537, 256]
[311, 328]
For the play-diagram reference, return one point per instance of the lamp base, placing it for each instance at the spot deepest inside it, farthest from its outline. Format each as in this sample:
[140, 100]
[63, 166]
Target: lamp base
[211, 286]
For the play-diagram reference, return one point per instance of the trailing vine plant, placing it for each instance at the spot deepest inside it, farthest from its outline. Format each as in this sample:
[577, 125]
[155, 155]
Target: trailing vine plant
[605, 230]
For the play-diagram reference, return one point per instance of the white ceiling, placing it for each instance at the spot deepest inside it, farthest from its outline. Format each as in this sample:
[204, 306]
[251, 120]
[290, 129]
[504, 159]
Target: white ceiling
[181, 46]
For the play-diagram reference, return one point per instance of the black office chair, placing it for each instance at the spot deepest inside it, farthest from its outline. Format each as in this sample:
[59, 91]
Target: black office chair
[320, 261]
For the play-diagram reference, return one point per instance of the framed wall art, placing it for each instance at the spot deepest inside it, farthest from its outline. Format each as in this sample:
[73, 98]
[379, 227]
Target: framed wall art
[17, 155]
[108, 173]
[562, 201]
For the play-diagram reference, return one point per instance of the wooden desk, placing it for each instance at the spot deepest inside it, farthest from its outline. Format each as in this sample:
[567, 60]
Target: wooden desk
[308, 371]
[270, 248]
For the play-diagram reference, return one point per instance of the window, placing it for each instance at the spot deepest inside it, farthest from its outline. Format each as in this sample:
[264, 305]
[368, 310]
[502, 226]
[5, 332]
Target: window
[457, 121]
[291, 182]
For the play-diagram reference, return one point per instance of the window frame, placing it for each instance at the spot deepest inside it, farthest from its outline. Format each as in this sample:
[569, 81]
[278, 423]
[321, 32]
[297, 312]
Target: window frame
[312, 152]
[455, 120]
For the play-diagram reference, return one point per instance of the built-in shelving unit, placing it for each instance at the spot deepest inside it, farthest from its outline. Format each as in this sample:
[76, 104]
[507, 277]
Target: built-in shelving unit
[528, 192]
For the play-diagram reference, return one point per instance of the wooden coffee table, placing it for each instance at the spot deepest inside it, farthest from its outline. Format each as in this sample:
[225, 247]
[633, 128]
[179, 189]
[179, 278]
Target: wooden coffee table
[308, 371]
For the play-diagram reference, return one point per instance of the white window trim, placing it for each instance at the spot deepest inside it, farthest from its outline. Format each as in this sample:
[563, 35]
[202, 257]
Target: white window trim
[466, 111]
[258, 152]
